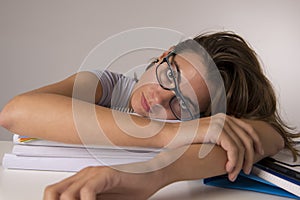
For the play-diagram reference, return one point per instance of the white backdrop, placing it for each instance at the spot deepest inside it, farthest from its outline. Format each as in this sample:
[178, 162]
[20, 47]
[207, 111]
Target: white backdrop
[44, 41]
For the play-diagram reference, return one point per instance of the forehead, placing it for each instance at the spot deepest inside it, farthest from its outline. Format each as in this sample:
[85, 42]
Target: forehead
[191, 67]
[192, 72]
[190, 64]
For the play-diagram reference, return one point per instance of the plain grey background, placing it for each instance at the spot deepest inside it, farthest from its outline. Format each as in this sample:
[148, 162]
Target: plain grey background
[45, 41]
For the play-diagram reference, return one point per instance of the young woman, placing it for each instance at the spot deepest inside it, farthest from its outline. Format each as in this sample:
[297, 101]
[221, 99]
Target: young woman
[180, 84]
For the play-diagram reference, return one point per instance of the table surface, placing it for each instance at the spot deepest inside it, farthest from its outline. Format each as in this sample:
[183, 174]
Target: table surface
[16, 184]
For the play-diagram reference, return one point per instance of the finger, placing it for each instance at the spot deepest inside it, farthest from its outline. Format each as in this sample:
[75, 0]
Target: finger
[73, 191]
[252, 133]
[50, 193]
[53, 191]
[248, 145]
[88, 193]
[93, 187]
[232, 149]
[222, 138]
[70, 187]
[231, 143]
[234, 174]
[240, 153]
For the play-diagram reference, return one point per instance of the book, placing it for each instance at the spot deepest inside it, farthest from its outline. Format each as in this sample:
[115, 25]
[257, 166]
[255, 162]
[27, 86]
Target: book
[35, 154]
[77, 152]
[280, 173]
[277, 175]
[248, 182]
[63, 164]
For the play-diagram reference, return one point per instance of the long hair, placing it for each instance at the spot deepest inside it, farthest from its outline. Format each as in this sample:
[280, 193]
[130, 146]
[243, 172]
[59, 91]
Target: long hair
[249, 93]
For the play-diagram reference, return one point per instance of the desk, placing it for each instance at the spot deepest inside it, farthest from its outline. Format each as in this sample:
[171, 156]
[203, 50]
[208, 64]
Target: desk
[25, 184]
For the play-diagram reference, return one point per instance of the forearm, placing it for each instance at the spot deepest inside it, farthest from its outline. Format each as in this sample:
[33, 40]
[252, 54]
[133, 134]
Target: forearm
[184, 163]
[189, 166]
[60, 118]
[45, 116]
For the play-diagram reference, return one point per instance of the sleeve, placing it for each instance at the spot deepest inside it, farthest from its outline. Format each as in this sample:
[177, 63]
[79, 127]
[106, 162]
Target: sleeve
[108, 81]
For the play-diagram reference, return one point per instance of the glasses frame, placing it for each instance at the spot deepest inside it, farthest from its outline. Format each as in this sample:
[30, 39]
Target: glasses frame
[176, 89]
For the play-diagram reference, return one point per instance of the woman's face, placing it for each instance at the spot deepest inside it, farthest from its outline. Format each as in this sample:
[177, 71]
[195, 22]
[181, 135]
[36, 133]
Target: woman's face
[150, 99]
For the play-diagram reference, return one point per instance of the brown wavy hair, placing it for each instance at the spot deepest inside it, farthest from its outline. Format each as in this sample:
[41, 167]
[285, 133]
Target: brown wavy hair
[249, 93]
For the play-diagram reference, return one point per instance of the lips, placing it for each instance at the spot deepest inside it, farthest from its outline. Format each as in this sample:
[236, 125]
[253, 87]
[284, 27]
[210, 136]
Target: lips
[145, 104]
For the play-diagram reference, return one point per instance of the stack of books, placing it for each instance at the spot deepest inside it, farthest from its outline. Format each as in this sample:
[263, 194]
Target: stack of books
[35, 154]
[277, 175]
[281, 170]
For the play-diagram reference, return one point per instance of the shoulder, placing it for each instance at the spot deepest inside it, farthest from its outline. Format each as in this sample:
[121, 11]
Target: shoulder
[106, 76]
[115, 87]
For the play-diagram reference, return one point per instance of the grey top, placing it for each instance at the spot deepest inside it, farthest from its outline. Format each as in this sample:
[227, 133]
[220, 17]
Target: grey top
[116, 89]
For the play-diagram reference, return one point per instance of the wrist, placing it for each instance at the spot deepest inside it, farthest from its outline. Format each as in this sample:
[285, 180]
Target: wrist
[160, 177]
[184, 133]
[147, 182]
[168, 133]
[188, 132]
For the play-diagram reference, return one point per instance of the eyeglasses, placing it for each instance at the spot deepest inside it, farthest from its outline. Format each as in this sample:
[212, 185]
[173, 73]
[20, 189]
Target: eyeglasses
[168, 77]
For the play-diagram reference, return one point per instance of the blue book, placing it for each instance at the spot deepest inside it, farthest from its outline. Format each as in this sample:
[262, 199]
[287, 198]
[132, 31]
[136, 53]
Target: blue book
[249, 182]
[277, 175]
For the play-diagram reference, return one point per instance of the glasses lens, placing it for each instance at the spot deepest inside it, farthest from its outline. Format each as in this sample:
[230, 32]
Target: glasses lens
[180, 108]
[167, 74]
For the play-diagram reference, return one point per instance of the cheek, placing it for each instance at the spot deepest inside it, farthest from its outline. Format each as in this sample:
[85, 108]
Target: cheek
[160, 112]
[134, 99]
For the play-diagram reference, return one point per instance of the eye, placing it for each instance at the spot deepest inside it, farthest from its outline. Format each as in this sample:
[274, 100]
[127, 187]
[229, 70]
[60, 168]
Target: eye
[170, 75]
[182, 105]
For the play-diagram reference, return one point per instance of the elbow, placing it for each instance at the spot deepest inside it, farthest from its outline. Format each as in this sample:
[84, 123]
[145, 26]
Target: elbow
[280, 144]
[9, 113]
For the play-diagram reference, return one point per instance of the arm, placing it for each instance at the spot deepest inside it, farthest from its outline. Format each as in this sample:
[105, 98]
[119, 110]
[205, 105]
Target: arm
[48, 113]
[105, 181]
[213, 164]
[216, 161]
[85, 82]
[44, 112]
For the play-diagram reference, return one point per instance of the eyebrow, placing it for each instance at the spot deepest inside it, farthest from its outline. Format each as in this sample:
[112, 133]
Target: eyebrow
[179, 71]
[177, 67]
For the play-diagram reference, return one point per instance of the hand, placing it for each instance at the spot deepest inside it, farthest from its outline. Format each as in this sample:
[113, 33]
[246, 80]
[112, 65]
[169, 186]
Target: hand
[105, 183]
[238, 138]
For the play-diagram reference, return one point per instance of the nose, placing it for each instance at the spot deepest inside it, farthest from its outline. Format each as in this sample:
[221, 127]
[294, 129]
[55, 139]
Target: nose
[161, 96]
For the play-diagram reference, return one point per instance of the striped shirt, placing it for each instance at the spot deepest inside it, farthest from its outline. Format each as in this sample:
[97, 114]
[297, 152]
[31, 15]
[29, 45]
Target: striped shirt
[116, 89]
